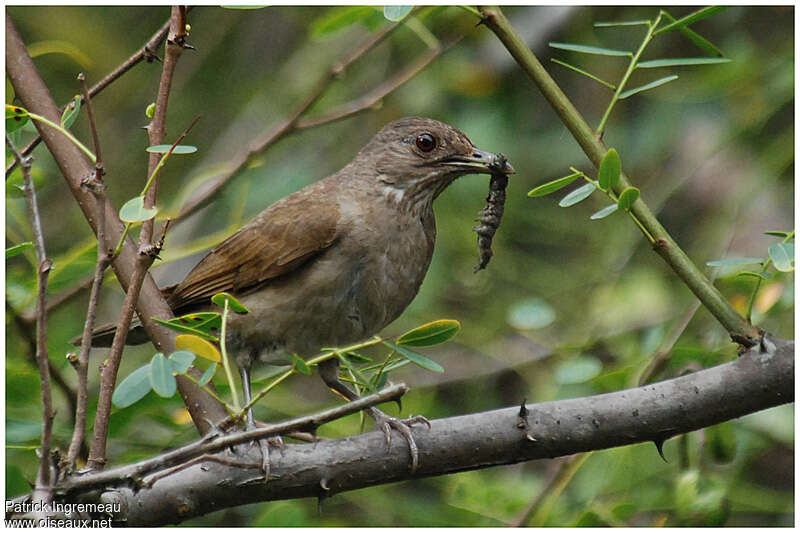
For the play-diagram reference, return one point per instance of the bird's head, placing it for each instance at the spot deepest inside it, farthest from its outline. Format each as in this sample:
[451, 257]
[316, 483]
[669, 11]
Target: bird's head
[416, 158]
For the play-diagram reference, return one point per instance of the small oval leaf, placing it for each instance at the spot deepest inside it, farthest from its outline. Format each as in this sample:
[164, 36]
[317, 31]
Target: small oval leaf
[416, 358]
[161, 378]
[731, 261]
[135, 211]
[197, 346]
[181, 360]
[16, 117]
[577, 370]
[610, 168]
[233, 304]
[578, 195]
[133, 388]
[396, 13]
[164, 148]
[627, 197]
[531, 313]
[71, 112]
[300, 364]
[553, 186]
[208, 374]
[603, 213]
[435, 332]
[782, 255]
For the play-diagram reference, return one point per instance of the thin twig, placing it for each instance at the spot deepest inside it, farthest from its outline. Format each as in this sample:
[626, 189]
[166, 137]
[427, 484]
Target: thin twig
[43, 489]
[290, 123]
[147, 251]
[146, 52]
[214, 443]
[95, 184]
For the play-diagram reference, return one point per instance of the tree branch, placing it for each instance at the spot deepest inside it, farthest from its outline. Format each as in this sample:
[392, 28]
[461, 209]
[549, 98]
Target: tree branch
[147, 251]
[43, 489]
[74, 166]
[741, 330]
[761, 378]
[146, 52]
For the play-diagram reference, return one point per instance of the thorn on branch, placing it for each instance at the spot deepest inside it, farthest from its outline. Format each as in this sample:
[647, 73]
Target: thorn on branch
[660, 447]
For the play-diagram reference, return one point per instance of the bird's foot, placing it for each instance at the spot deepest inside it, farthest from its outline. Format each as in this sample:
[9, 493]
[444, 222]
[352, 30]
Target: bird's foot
[386, 423]
[263, 446]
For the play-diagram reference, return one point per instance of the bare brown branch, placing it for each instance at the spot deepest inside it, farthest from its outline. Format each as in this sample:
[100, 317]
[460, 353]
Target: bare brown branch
[43, 489]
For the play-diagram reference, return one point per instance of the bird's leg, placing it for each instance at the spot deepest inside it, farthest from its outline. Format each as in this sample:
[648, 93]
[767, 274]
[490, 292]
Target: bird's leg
[263, 445]
[329, 371]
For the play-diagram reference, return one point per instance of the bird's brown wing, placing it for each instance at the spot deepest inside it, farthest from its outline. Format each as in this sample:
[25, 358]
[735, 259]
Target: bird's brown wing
[277, 241]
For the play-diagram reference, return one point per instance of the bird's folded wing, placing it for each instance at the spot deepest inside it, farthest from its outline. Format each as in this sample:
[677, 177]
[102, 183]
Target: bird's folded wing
[277, 241]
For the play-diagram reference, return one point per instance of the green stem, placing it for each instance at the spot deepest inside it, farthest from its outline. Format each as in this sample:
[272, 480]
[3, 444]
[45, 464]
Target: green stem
[280, 379]
[764, 268]
[225, 363]
[66, 133]
[740, 329]
[213, 394]
[631, 67]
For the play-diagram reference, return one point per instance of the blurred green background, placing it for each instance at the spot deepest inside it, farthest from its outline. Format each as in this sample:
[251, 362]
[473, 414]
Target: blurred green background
[568, 307]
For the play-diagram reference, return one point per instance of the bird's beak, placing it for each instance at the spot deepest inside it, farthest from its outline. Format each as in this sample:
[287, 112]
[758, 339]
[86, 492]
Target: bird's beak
[480, 162]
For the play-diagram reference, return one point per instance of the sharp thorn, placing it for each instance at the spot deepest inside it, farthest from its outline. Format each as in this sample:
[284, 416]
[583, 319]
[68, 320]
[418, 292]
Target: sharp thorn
[660, 447]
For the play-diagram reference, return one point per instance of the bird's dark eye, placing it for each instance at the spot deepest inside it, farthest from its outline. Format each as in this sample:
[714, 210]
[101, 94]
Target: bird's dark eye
[426, 142]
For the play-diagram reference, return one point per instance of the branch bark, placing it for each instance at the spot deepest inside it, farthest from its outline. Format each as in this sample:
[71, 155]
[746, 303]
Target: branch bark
[74, 166]
[763, 377]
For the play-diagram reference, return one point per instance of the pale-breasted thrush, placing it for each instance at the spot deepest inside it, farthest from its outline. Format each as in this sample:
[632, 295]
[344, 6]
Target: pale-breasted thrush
[338, 260]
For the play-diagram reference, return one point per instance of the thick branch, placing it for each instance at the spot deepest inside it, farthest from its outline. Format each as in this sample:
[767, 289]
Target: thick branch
[740, 330]
[74, 166]
[760, 379]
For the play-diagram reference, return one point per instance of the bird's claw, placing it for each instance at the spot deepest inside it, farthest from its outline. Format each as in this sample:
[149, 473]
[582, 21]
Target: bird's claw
[263, 446]
[403, 426]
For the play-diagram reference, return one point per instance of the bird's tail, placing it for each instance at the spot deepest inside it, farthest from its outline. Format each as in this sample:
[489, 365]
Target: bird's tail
[103, 336]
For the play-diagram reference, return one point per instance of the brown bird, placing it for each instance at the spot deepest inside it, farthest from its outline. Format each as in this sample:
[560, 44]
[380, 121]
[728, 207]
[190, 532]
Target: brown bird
[340, 259]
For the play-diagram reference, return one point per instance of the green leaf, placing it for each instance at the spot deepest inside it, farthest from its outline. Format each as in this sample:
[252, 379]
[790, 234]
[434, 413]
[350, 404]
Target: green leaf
[698, 40]
[233, 304]
[243, 7]
[691, 18]
[300, 364]
[356, 357]
[585, 73]
[782, 255]
[164, 148]
[396, 13]
[735, 261]
[682, 62]
[416, 358]
[208, 374]
[175, 324]
[135, 211]
[18, 249]
[781, 234]
[610, 168]
[651, 85]
[577, 370]
[603, 213]
[161, 378]
[621, 23]
[627, 197]
[578, 195]
[435, 332]
[181, 360]
[553, 186]
[71, 112]
[133, 388]
[16, 117]
[589, 49]
[760, 275]
[339, 17]
[531, 313]
[150, 110]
